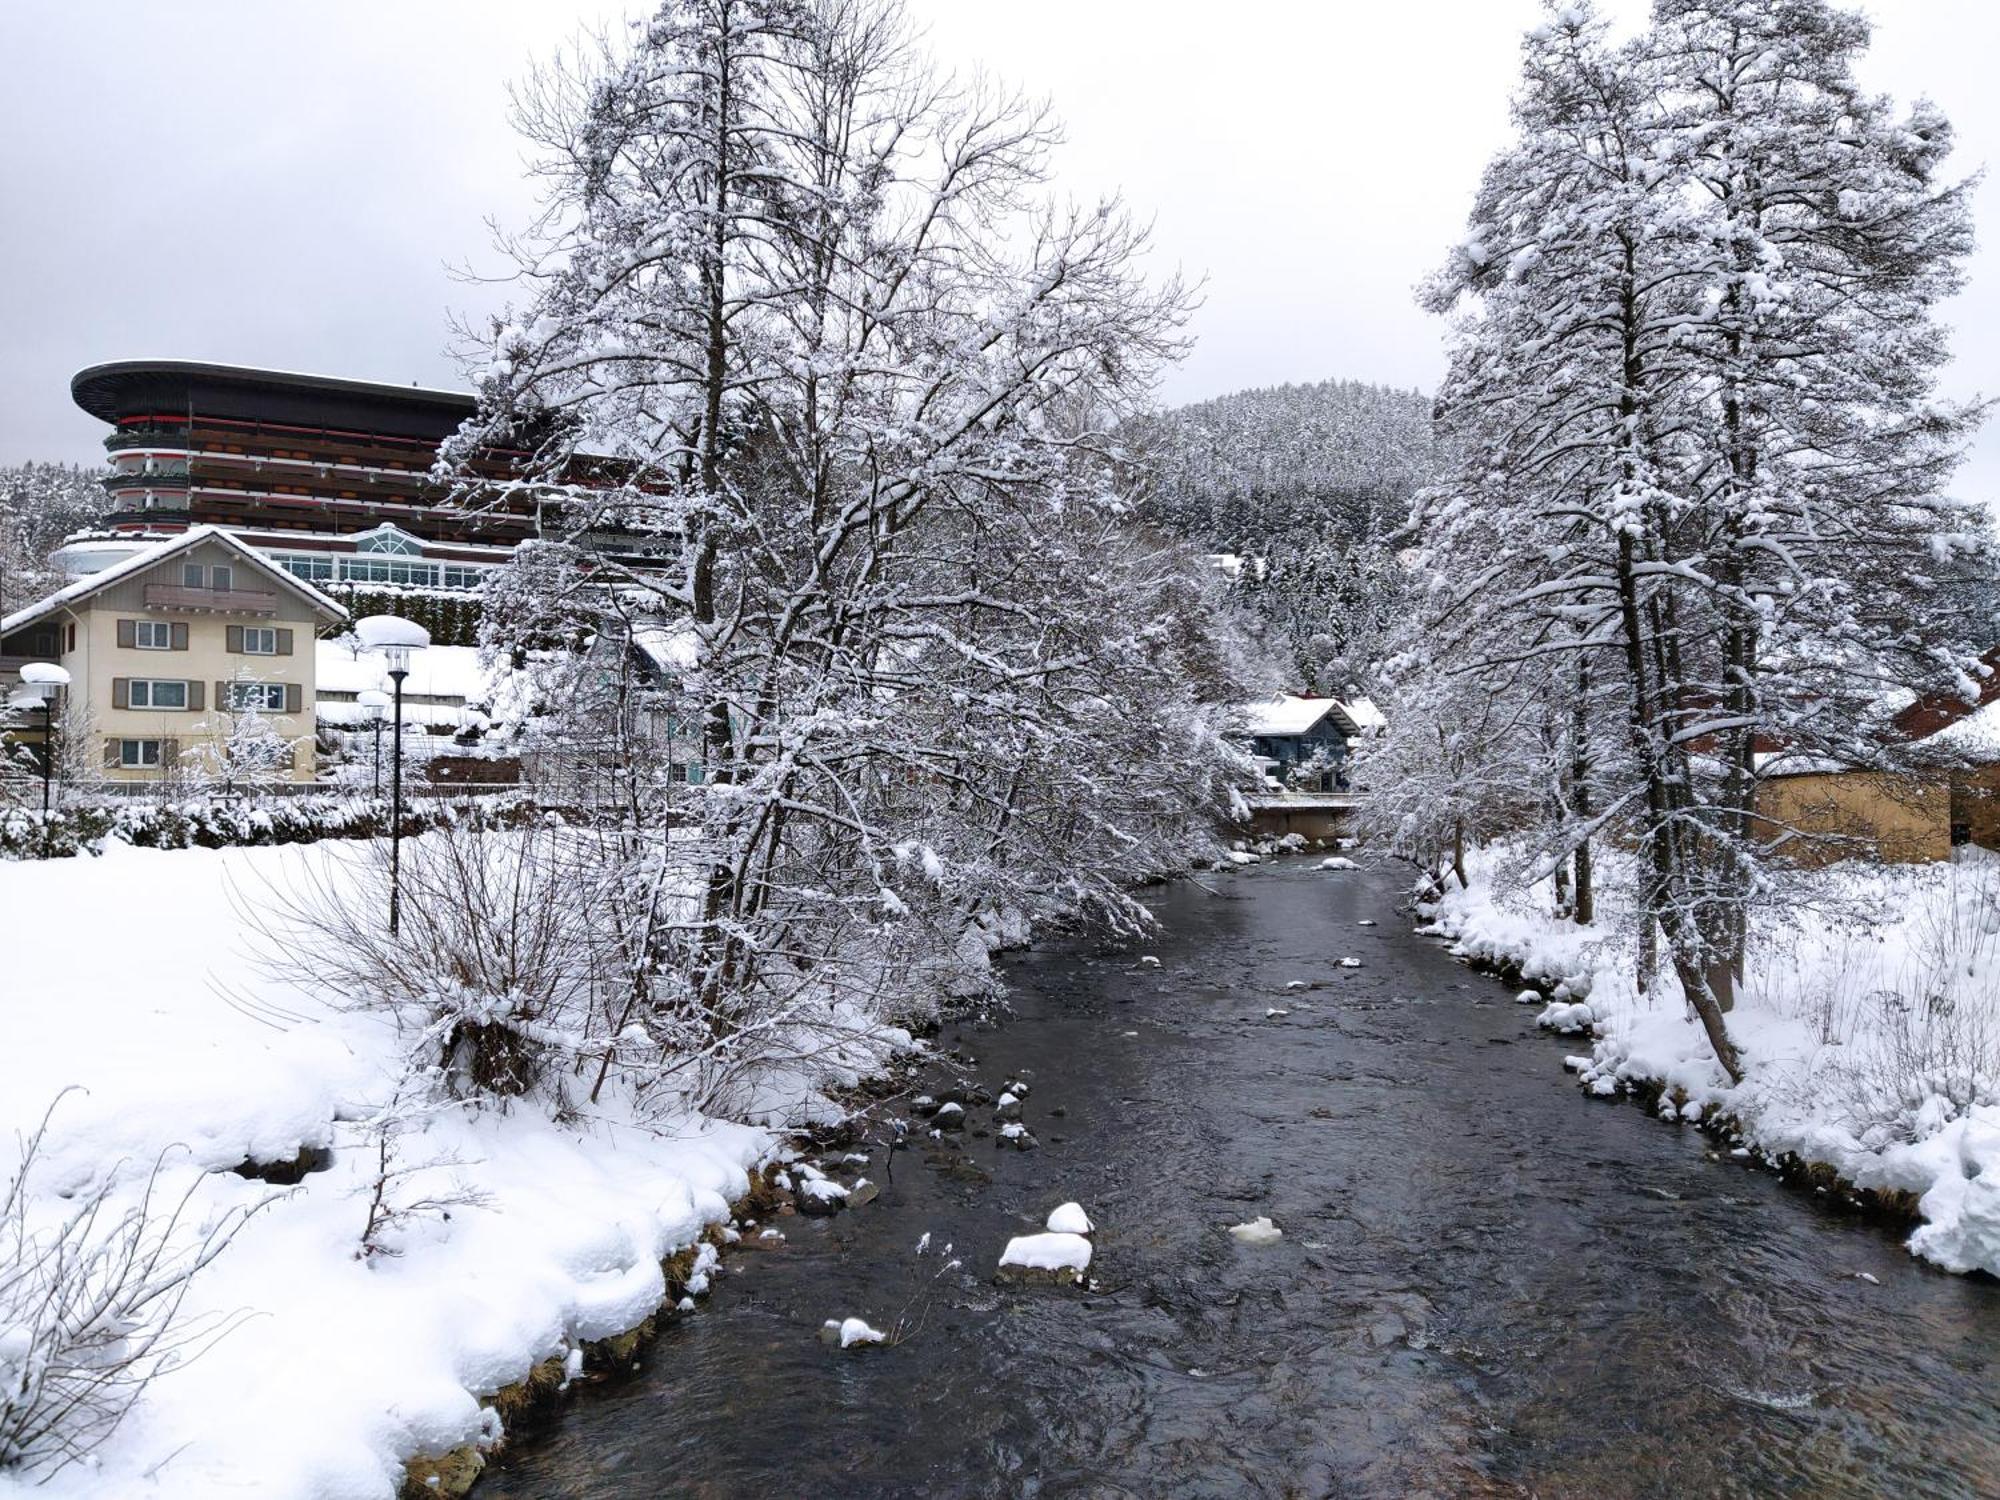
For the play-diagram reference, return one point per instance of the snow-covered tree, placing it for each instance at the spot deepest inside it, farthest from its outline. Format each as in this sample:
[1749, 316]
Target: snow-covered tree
[40, 504]
[810, 303]
[1702, 458]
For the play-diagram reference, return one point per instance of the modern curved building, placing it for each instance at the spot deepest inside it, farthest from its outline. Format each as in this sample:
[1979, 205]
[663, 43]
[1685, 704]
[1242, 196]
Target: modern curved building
[330, 478]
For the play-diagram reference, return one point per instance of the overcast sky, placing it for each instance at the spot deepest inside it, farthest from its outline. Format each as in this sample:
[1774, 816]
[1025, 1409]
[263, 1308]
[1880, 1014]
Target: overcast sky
[288, 184]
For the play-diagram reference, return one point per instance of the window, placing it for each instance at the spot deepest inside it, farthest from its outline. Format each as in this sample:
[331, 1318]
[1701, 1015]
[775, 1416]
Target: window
[151, 693]
[386, 570]
[139, 754]
[459, 576]
[224, 579]
[312, 569]
[191, 575]
[260, 640]
[153, 635]
[267, 696]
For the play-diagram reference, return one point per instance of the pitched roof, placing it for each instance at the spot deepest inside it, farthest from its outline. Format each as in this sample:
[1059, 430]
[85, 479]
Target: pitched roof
[1288, 714]
[146, 557]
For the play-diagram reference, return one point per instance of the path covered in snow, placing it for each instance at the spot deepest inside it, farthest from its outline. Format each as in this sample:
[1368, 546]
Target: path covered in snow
[1482, 1281]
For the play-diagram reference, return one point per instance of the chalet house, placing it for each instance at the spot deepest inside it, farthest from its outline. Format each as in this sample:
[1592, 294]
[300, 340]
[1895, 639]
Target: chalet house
[1304, 740]
[172, 650]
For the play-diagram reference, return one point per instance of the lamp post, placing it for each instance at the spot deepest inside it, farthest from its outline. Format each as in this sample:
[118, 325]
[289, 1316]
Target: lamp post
[376, 702]
[46, 680]
[395, 638]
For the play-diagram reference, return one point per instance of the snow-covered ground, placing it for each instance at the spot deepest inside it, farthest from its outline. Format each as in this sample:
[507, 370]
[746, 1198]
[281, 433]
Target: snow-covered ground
[130, 980]
[1869, 1027]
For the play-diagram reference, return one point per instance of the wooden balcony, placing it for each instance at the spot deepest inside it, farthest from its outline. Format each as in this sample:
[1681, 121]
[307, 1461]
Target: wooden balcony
[210, 601]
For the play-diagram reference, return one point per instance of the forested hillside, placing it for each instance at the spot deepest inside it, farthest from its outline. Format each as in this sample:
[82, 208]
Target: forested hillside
[1306, 483]
[40, 504]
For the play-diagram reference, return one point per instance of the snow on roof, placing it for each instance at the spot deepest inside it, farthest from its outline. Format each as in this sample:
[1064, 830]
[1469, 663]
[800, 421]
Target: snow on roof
[671, 648]
[1364, 713]
[438, 672]
[1287, 714]
[1976, 736]
[90, 583]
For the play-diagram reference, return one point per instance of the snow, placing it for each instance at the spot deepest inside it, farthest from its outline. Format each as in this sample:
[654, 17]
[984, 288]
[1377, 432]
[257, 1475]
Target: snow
[1976, 736]
[1056, 1252]
[856, 1331]
[382, 632]
[454, 674]
[1892, 1095]
[1338, 862]
[1286, 714]
[1364, 713]
[1259, 1231]
[44, 673]
[177, 1041]
[1069, 1218]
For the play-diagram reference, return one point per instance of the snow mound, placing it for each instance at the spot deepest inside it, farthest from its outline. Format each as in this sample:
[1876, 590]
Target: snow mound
[1058, 1253]
[1259, 1231]
[1069, 1218]
[1338, 862]
[848, 1332]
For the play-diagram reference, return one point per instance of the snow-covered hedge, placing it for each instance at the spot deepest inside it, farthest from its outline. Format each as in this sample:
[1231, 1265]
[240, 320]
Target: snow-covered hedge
[232, 822]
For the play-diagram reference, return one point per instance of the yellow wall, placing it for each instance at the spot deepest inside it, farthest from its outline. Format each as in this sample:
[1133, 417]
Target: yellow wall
[1866, 814]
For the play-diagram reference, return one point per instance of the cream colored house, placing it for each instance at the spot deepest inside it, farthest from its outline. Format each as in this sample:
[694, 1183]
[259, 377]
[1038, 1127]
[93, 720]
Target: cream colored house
[191, 660]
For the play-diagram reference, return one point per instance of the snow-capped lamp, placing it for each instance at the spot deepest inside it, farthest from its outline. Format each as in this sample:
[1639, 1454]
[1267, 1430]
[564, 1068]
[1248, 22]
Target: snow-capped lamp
[44, 681]
[395, 638]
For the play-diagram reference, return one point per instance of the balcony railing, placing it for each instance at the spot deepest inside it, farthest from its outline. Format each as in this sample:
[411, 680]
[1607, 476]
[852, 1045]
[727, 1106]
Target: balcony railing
[147, 437]
[216, 601]
[166, 477]
[163, 516]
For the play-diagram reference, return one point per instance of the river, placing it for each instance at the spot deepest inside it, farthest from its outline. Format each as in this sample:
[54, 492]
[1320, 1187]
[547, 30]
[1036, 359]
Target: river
[1488, 1284]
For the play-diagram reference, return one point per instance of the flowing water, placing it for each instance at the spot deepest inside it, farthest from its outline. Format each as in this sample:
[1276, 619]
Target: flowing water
[1488, 1284]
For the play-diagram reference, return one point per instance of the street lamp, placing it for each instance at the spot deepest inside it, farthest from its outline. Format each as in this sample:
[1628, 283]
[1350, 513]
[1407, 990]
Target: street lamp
[395, 638]
[376, 702]
[44, 680]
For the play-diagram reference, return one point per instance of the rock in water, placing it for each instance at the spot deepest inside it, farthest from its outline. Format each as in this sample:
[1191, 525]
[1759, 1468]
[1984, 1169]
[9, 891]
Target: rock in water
[850, 1332]
[1062, 1257]
[1259, 1231]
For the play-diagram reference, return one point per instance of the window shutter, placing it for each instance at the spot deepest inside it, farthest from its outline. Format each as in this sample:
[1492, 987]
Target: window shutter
[111, 752]
[180, 633]
[121, 692]
[170, 752]
[222, 694]
[284, 643]
[128, 633]
[196, 692]
[235, 638]
[294, 695]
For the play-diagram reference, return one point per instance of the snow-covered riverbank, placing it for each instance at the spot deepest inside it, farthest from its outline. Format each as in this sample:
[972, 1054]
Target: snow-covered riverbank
[132, 984]
[1872, 1045]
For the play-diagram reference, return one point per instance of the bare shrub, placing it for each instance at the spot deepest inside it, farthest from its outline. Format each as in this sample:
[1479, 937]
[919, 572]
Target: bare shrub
[1923, 1048]
[90, 1304]
[490, 978]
